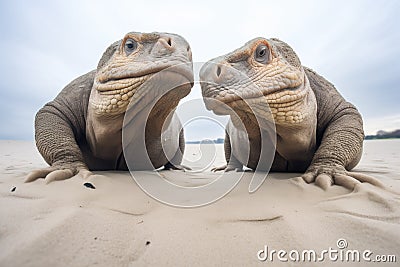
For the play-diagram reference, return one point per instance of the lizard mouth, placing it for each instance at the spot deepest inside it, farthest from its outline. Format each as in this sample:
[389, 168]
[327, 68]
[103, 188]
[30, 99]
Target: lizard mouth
[114, 95]
[113, 84]
[277, 97]
[123, 75]
[272, 96]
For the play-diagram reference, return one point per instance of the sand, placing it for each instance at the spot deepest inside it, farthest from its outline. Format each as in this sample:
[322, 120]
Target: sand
[116, 224]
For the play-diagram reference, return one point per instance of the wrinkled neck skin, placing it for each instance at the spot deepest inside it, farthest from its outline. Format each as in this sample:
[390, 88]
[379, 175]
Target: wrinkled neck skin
[246, 121]
[104, 133]
[161, 113]
[104, 130]
[297, 141]
[295, 125]
[151, 134]
[104, 127]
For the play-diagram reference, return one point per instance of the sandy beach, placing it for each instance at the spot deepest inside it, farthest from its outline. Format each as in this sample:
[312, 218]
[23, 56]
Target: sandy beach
[116, 224]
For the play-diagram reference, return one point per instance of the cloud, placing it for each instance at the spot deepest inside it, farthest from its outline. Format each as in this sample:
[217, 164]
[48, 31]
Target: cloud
[388, 123]
[46, 44]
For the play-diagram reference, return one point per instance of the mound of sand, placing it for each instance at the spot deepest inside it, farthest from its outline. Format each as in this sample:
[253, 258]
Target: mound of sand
[116, 224]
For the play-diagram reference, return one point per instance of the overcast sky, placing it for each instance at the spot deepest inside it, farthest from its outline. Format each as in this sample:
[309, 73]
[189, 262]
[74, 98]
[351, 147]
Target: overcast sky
[46, 44]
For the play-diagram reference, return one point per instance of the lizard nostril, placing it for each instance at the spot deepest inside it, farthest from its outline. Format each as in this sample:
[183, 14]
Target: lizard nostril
[189, 53]
[218, 71]
[169, 42]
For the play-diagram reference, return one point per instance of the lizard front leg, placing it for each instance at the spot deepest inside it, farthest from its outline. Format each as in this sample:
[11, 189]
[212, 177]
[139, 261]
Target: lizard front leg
[175, 163]
[56, 142]
[339, 152]
[233, 164]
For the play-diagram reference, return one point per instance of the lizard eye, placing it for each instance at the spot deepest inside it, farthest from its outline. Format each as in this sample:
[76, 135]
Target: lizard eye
[262, 54]
[130, 46]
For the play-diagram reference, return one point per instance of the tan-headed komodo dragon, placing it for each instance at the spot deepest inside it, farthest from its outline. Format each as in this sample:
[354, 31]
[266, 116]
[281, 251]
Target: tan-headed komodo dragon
[81, 129]
[317, 131]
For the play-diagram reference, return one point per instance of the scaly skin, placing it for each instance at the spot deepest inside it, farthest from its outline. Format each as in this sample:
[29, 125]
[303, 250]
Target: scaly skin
[318, 131]
[81, 129]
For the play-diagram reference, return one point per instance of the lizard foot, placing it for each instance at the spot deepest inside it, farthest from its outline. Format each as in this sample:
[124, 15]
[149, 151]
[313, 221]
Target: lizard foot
[227, 168]
[170, 166]
[56, 173]
[326, 176]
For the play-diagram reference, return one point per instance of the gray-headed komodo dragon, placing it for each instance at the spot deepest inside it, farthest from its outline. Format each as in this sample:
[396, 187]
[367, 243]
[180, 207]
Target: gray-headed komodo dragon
[317, 131]
[81, 129]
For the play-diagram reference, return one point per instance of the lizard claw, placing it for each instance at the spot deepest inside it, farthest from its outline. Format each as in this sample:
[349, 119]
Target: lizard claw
[170, 166]
[36, 174]
[58, 175]
[226, 168]
[220, 168]
[326, 176]
[53, 173]
[85, 173]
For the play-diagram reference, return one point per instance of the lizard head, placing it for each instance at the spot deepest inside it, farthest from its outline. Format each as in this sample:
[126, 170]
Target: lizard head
[128, 64]
[265, 74]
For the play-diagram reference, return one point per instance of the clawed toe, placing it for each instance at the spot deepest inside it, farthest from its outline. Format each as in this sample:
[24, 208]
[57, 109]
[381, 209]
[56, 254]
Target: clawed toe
[58, 175]
[170, 166]
[37, 174]
[308, 177]
[324, 181]
[365, 179]
[85, 174]
[220, 168]
[51, 174]
[325, 177]
[346, 181]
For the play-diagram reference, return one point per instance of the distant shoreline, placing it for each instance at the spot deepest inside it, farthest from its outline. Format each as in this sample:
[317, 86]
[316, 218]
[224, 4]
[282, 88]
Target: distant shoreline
[380, 135]
[384, 135]
[388, 138]
[367, 138]
[207, 141]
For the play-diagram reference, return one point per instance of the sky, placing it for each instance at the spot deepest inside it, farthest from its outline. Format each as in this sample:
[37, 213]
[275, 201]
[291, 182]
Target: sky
[46, 44]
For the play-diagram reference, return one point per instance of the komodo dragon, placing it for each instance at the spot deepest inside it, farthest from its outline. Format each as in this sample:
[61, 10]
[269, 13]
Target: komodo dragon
[81, 129]
[317, 131]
